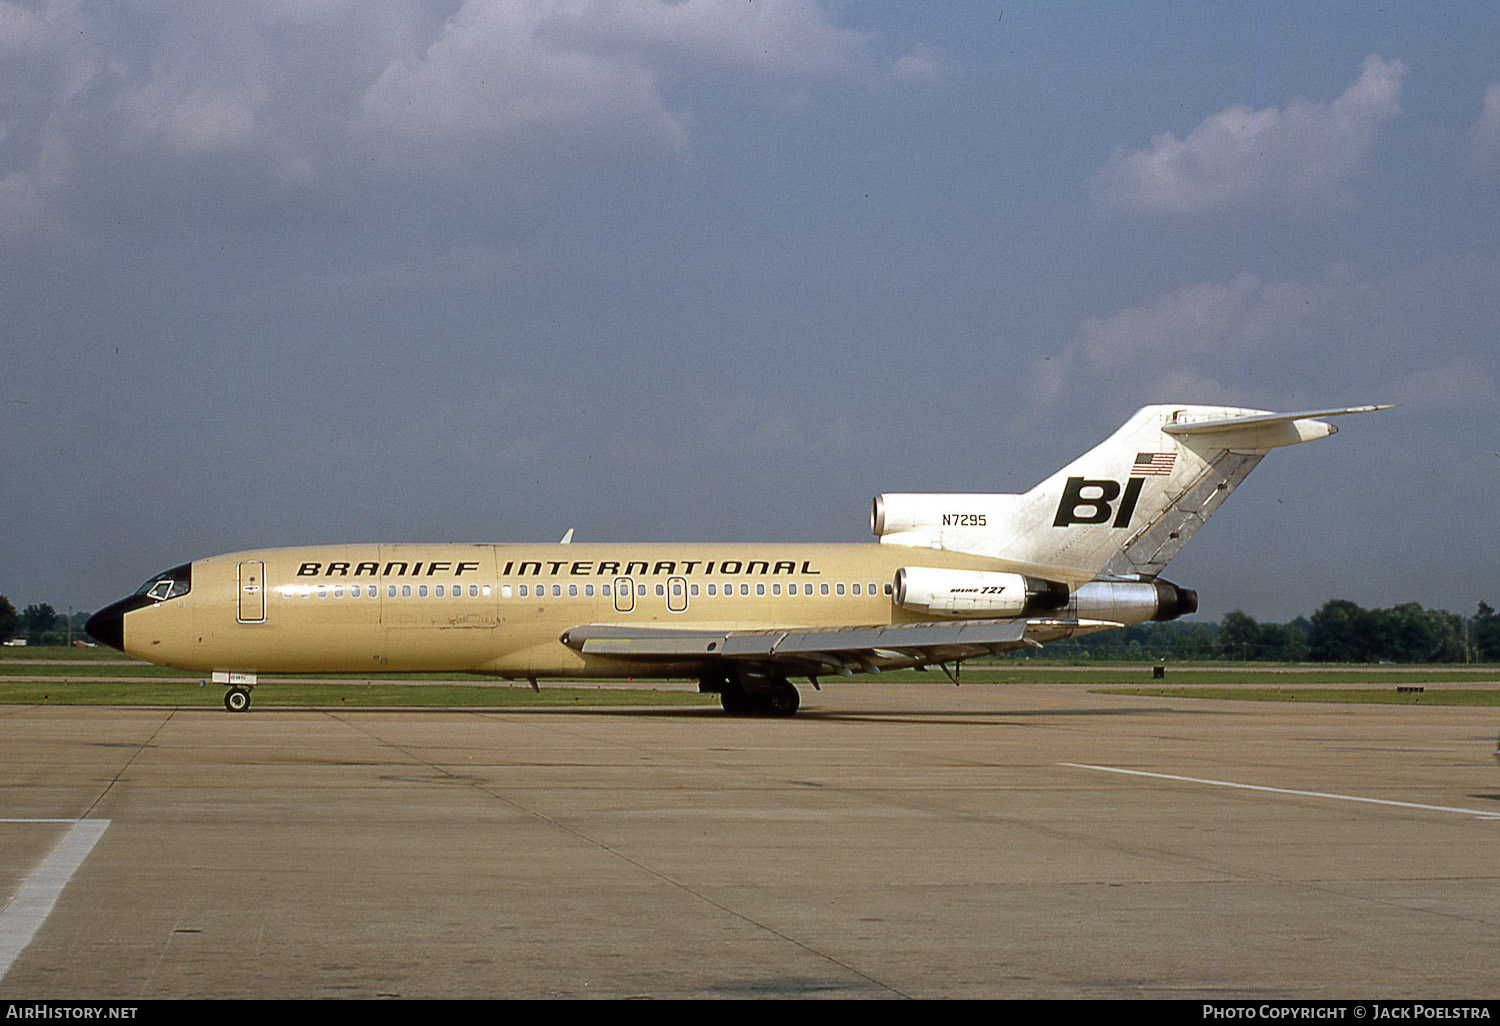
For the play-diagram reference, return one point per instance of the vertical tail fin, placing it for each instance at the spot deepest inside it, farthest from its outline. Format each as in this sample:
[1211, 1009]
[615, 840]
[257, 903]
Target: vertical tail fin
[1125, 507]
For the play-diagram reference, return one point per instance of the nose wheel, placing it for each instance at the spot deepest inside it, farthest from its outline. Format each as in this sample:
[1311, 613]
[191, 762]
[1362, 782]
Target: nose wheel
[237, 698]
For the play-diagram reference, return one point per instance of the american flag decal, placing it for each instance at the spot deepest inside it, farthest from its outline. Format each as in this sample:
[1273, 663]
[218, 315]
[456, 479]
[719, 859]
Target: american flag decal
[1153, 464]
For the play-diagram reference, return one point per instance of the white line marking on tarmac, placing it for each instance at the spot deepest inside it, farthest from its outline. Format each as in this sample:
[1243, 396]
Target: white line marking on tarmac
[20, 920]
[67, 819]
[1481, 813]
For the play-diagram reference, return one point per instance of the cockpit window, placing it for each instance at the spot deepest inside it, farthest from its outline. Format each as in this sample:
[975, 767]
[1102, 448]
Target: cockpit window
[168, 584]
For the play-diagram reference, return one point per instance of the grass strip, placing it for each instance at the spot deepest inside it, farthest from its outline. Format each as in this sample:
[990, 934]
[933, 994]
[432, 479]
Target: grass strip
[1344, 696]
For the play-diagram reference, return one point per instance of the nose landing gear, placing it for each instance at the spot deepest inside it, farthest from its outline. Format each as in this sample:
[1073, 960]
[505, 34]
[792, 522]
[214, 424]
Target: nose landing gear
[237, 698]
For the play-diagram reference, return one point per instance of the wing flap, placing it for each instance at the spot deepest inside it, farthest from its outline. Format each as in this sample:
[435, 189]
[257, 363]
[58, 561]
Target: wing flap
[842, 649]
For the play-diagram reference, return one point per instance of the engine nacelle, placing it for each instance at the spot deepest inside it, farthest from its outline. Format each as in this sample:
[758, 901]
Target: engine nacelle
[900, 513]
[936, 591]
[1132, 601]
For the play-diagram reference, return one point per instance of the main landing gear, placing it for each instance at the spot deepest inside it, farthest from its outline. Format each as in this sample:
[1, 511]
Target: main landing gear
[237, 699]
[748, 693]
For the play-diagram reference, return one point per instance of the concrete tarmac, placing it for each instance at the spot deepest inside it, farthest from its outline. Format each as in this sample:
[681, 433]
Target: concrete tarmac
[890, 841]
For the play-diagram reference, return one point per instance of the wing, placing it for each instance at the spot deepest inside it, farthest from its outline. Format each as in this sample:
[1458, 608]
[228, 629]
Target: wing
[820, 650]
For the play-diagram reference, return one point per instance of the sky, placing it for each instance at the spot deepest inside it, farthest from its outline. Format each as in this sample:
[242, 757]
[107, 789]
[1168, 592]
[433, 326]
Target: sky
[278, 273]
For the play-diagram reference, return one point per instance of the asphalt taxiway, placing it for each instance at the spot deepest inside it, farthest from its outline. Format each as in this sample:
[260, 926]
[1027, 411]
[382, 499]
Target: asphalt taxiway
[889, 841]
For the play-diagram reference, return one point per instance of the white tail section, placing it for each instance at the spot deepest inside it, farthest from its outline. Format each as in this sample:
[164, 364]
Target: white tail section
[1124, 508]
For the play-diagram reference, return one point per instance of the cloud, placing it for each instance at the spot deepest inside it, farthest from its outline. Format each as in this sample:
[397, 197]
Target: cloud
[490, 75]
[743, 424]
[1251, 341]
[1298, 157]
[925, 65]
[20, 202]
[261, 109]
[1461, 383]
[1484, 137]
[595, 73]
[24, 28]
[46, 65]
[462, 268]
[1194, 318]
[198, 118]
[773, 38]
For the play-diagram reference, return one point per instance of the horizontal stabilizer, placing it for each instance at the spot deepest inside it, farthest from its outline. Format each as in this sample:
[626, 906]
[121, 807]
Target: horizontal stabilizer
[1266, 430]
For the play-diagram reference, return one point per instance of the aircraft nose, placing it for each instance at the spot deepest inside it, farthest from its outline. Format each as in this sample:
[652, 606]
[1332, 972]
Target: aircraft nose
[107, 626]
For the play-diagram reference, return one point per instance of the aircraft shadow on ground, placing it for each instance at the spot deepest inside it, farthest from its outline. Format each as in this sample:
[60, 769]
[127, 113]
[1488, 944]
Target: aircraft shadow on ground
[894, 715]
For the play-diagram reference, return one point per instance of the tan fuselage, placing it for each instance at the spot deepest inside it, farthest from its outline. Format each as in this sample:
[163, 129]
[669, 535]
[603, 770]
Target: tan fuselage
[500, 609]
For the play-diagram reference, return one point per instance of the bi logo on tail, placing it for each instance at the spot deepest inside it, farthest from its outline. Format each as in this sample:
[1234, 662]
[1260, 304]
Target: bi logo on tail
[1147, 464]
[1087, 501]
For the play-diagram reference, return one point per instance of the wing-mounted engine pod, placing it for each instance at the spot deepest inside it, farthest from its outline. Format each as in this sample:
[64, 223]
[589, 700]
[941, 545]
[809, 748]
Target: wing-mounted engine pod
[938, 591]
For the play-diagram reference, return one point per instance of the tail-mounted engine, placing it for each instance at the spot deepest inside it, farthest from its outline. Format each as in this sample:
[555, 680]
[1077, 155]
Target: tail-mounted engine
[1132, 601]
[935, 591]
[916, 518]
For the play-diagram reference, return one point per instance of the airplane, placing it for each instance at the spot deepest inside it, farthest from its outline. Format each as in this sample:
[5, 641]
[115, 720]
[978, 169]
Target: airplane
[950, 577]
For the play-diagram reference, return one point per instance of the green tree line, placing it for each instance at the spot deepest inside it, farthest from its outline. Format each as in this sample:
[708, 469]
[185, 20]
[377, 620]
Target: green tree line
[39, 624]
[1340, 632]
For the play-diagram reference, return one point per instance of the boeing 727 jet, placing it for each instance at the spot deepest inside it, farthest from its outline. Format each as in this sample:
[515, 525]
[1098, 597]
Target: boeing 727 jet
[951, 577]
